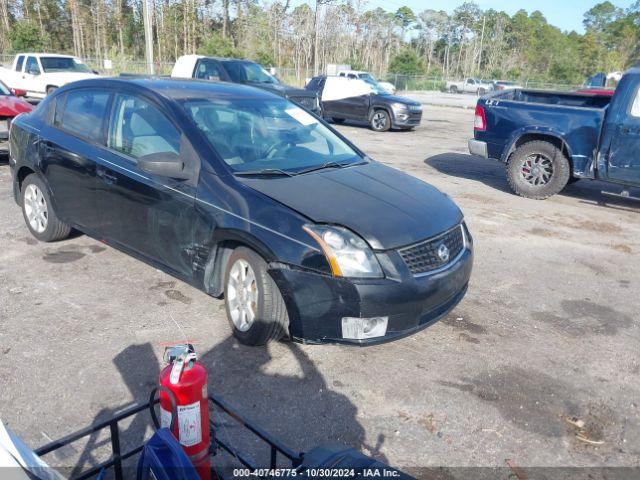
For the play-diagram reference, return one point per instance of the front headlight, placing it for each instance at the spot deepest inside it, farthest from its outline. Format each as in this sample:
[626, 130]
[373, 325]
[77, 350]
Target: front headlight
[347, 253]
[400, 106]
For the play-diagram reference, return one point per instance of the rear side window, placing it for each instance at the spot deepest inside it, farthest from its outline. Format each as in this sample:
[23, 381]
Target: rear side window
[138, 128]
[208, 70]
[19, 63]
[83, 114]
[635, 108]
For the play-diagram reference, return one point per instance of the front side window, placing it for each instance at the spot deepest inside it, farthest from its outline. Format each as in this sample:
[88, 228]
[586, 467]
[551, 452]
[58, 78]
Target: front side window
[262, 134]
[32, 66]
[249, 72]
[63, 64]
[138, 128]
[83, 114]
[19, 63]
[208, 70]
[635, 107]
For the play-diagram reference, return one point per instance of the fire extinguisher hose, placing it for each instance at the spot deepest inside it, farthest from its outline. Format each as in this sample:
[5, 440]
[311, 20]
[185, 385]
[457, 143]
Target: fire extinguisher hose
[174, 407]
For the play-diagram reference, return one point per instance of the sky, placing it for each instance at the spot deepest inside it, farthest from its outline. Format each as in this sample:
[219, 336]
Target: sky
[565, 14]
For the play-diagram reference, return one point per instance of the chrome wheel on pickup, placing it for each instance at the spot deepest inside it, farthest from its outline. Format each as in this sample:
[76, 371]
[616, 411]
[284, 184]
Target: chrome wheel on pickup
[538, 170]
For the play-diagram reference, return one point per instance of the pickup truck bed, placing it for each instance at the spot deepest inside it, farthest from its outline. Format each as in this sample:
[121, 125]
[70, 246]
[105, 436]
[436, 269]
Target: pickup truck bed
[575, 118]
[549, 138]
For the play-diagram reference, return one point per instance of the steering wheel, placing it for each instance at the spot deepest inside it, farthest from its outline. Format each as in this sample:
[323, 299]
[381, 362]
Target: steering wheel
[273, 148]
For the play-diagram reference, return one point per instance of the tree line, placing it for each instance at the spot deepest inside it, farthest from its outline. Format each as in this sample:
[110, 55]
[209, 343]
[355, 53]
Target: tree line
[469, 41]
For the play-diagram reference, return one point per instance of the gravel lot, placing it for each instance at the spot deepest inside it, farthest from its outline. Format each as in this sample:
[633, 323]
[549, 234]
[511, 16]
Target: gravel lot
[546, 338]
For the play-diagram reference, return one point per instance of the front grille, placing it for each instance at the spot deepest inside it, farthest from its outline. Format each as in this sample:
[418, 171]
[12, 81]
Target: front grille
[307, 102]
[423, 257]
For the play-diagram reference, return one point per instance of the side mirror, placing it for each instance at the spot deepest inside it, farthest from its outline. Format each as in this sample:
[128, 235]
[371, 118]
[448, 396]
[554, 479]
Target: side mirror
[96, 72]
[19, 92]
[163, 164]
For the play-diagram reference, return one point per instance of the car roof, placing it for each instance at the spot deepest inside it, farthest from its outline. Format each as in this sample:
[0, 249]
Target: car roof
[176, 88]
[44, 54]
[223, 59]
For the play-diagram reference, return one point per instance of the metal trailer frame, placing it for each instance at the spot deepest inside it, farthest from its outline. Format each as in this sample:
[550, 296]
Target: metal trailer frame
[117, 456]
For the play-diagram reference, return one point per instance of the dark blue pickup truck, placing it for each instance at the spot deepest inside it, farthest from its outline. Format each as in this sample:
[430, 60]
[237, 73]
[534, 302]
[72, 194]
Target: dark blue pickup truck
[548, 139]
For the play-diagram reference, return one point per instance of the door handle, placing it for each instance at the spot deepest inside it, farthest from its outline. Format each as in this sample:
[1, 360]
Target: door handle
[106, 177]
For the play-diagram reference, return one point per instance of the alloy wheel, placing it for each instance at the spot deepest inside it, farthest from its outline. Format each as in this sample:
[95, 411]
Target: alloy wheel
[379, 120]
[242, 295]
[537, 170]
[35, 208]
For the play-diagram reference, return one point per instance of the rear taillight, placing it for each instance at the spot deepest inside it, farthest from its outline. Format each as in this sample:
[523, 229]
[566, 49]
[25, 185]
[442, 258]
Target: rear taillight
[480, 120]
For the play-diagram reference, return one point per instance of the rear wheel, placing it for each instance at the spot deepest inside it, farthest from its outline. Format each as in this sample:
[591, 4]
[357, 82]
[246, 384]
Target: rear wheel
[38, 212]
[380, 121]
[453, 89]
[538, 170]
[481, 91]
[254, 305]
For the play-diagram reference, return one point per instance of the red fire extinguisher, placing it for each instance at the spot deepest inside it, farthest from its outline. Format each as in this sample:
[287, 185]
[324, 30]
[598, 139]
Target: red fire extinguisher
[186, 379]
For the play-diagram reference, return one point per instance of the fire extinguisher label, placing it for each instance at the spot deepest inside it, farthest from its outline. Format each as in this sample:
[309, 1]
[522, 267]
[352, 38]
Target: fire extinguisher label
[165, 418]
[189, 426]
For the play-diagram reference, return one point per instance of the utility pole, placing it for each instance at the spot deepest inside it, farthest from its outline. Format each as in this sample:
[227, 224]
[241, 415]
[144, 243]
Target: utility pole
[148, 36]
[316, 63]
[315, 40]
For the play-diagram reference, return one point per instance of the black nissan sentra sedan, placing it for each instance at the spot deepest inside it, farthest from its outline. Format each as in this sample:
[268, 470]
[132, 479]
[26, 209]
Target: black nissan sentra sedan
[245, 195]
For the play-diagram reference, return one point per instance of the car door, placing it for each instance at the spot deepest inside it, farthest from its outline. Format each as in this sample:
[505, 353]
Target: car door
[346, 98]
[31, 75]
[151, 216]
[624, 160]
[470, 85]
[69, 147]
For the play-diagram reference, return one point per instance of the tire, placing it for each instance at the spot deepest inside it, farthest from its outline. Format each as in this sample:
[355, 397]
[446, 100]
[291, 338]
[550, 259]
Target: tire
[380, 121]
[337, 120]
[453, 89]
[38, 212]
[51, 89]
[481, 91]
[538, 170]
[270, 319]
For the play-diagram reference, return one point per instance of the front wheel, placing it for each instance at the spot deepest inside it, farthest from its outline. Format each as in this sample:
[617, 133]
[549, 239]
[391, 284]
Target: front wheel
[254, 305]
[38, 212]
[51, 89]
[453, 89]
[380, 121]
[538, 170]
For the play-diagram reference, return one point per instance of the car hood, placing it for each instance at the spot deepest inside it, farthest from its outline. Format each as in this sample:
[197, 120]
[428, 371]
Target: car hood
[11, 106]
[398, 99]
[386, 207]
[284, 90]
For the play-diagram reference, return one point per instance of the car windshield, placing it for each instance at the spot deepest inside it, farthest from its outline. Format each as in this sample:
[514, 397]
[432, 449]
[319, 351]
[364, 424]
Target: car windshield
[244, 72]
[268, 135]
[63, 64]
[4, 91]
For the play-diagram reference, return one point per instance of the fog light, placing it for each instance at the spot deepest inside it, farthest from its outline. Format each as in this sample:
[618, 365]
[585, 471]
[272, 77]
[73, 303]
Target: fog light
[402, 116]
[361, 328]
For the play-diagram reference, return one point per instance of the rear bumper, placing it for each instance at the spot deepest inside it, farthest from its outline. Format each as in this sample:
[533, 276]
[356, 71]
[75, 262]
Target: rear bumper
[317, 303]
[478, 147]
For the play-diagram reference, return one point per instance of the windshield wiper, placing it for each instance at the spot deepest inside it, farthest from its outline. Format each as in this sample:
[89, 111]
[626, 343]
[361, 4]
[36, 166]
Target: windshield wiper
[330, 165]
[272, 172]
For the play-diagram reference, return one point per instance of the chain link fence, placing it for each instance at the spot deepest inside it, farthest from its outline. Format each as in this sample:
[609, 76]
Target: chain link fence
[295, 76]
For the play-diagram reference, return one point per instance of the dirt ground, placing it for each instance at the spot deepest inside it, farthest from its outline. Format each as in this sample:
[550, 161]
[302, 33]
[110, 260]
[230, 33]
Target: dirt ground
[539, 366]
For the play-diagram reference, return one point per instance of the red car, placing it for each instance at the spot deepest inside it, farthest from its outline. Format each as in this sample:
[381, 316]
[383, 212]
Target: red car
[10, 106]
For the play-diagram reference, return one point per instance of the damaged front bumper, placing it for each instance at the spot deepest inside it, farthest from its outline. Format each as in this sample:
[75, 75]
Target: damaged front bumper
[317, 303]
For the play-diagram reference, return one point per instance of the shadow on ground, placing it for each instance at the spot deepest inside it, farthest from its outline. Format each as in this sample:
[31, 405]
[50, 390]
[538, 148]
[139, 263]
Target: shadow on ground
[299, 409]
[492, 173]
